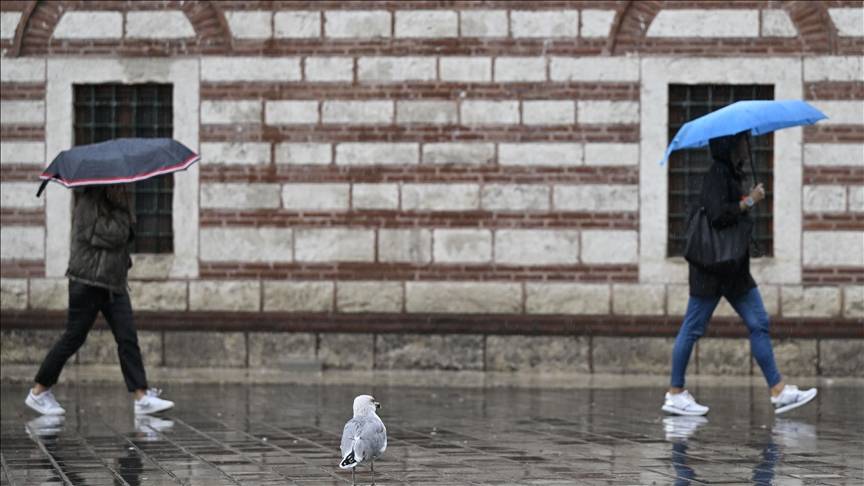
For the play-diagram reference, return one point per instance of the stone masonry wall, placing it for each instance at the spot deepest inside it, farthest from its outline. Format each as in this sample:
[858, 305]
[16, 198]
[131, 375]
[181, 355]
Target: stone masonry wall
[403, 165]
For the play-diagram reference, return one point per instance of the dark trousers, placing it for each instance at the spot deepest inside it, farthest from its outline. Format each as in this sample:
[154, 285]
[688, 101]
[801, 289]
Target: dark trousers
[85, 302]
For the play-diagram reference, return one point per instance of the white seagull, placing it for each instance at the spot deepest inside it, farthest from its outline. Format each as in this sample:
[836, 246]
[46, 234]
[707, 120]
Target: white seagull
[364, 437]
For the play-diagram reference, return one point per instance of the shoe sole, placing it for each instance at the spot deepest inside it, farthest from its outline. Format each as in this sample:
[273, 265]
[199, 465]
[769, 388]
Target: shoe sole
[677, 411]
[32, 407]
[793, 406]
[157, 410]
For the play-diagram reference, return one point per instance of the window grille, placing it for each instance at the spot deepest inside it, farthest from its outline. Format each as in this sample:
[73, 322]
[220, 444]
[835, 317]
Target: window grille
[108, 111]
[687, 167]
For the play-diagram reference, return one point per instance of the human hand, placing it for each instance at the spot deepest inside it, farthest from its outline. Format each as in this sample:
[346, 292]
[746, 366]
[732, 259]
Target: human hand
[757, 193]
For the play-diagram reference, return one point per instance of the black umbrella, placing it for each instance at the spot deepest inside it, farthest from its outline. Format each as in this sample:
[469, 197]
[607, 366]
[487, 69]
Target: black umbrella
[117, 161]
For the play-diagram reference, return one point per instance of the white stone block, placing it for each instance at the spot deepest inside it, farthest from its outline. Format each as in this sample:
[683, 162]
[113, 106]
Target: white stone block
[360, 297]
[49, 293]
[536, 247]
[544, 23]
[777, 23]
[848, 21]
[316, 196]
[638, 299]
[520, 69]
[610, 246]
[230, 112]
[298, 296]
[567, 298]
[594, 69]
[677, 297]
[329, 69]
[22, 112]
[334, 245]
[853, 301]
[375, 196]
[297, 24]
[357, 23]
[856, 199]
[810, 301]
[395, 69]
[162, 24]
[705, 23]
[424, 111]
[227, 69]
[841, 112]
[513, 197]
[458, 153]
[85, 24]
[483, 23]
[834, 68]
[596, 23]
[833, 248]
[377, 153]
[20, 195]
[405, 245]
[242, 244]
[549, 112]
[427, 23]
[463, 297]
[240, 153]
[22, 70]
[462, 246]
[466, 69]
[440, 197]
[225, 295]
[596, 197]
[824, 198]
[541, 153]
[28, 153]
[158, 296]
[9, 23]
[486, 112]
[834, 154]
[354, 112]
[291, 112]
[250, 24]
[611, 112]
[304, 153]
[13, 293]
[22, 243]
[612, 154]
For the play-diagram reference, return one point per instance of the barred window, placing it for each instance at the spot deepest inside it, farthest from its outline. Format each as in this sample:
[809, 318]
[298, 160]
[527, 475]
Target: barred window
[107, 111]
[687, 167]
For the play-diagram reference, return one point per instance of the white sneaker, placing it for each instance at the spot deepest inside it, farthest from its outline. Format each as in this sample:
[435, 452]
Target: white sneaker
[681, 428]
[683, 404]
[151, 403]
[44, 403]
[791, 398]
[149, 427]
[45, 425]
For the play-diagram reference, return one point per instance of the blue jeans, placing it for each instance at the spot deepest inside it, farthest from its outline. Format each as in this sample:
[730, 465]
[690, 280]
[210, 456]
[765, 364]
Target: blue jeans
[699, 310]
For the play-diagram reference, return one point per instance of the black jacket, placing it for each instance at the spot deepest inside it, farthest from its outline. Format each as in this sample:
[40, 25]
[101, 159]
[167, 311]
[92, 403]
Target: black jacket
[101, 233]
[721, 196]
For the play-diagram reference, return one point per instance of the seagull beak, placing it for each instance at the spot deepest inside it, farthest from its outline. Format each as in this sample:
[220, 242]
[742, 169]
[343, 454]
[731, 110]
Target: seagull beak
[377, 405]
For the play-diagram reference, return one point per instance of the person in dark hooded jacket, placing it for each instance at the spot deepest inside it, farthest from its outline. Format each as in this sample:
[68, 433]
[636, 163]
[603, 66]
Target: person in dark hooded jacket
[102, 229]
[726, 204]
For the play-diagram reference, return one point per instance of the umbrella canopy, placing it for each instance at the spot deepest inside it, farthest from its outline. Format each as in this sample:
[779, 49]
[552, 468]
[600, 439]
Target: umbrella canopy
[118, 161]
[756, 116]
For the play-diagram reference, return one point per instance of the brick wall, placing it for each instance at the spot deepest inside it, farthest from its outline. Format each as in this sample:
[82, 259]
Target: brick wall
[435, 161]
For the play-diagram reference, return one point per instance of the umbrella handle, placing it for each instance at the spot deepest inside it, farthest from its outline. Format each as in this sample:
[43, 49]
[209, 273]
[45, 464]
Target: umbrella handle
[41, 187]
[752, 165]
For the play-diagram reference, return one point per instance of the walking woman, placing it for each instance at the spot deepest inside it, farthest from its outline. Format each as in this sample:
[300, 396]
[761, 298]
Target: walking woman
[102, 228]
[725, 203]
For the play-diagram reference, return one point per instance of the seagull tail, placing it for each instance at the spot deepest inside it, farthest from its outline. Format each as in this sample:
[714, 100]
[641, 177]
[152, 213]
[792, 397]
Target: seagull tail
[348, 461]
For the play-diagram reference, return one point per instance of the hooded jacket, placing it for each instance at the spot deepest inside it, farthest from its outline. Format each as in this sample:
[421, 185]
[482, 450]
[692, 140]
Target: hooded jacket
[101, 233]
[721, 195]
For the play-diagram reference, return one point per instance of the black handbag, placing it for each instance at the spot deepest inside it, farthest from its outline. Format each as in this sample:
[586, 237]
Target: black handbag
[716, 250]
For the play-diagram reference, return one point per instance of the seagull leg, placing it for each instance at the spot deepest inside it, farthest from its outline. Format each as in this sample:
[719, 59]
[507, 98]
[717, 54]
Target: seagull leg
[353, 480]
[372, 467]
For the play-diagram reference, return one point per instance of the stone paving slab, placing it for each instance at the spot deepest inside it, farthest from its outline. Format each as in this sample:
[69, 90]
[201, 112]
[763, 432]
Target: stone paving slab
[289, 435]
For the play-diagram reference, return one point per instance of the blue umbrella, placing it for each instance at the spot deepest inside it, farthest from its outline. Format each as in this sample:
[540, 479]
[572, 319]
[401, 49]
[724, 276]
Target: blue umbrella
[758, 117]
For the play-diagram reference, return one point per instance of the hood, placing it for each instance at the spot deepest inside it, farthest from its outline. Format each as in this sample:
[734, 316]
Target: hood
[724, 151]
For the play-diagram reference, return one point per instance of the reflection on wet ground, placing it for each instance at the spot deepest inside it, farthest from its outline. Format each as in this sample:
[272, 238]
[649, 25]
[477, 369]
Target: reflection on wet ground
[289, 434]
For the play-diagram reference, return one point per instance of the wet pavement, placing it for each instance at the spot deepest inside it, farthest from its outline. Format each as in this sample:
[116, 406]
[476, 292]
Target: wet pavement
[289, 434]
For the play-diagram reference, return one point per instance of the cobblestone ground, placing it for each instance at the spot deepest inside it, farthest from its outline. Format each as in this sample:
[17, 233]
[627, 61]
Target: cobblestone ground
[263, 435]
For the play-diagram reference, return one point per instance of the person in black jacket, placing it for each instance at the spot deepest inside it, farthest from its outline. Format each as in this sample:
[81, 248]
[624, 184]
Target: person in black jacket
[102, 228]
[726, 204]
